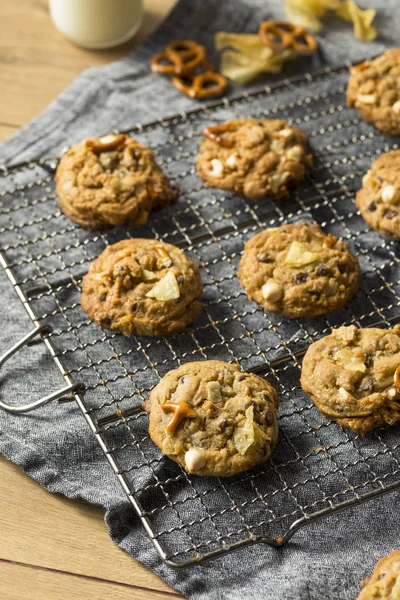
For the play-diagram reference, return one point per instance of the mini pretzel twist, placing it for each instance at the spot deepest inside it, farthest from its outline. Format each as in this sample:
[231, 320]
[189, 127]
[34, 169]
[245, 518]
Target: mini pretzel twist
[214, 133]
[396, 378]
[179, 58]
[279, 36]
[204, 85]
[106, 143]
[181, 410]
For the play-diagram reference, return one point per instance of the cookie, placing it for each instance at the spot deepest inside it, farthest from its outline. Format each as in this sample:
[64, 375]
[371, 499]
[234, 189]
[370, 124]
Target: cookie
[142, 286]
[298, 271]
[384, 583]
[213, 419]
[111, 180]
[379, 197]
[254, 158]
[353, 377]
[374, 89]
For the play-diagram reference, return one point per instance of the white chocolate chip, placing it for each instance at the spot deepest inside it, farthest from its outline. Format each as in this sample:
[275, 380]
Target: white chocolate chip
[194, 460]
[285, 132]
[366, 98]
[396, 107]
[272, 290]
[295, 153]
[390, 194]
[217, 168]
[393, 393]
[277, 147]
[231, 161]
[344, 394]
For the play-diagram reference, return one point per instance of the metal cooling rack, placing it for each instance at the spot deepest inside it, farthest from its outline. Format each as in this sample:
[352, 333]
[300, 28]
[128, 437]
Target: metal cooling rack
[317, 468]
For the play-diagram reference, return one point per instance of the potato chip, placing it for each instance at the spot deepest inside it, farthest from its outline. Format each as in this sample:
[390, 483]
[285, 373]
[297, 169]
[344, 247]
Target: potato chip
[244, 436]
[361, 19]
[309, 13]
[244, 56]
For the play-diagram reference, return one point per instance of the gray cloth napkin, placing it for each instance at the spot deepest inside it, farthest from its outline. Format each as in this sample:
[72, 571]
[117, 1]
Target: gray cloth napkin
[52, 445]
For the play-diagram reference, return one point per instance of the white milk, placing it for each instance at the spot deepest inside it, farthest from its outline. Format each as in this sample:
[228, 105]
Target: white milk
[97, 23]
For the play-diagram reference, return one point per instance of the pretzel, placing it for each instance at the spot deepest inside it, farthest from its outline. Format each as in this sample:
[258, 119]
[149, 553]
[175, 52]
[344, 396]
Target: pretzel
[214, 133]
[106, 143]
[279, 36]
[195, 86]
[181, 410]
[179, 58]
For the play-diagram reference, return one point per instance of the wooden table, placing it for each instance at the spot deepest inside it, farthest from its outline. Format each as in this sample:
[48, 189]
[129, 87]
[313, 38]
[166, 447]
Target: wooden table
[52, 548]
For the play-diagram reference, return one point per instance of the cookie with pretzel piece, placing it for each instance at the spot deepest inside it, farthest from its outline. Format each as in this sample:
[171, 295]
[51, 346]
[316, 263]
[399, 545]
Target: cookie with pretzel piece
[111, 180]
[353, 377]
[213, 419]
[253, 157]
[142, 286]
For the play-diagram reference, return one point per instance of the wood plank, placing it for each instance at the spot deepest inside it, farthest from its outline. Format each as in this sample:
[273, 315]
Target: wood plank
[37, 62]
[20, 582]
[50, 531]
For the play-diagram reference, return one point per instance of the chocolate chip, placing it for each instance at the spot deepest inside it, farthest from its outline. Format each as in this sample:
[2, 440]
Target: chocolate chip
[241, 377]
[300, 277]
[369, 361]
[323, 271]
[391, 214]
[180, 279]
[247, 405]
[182, 379]
[366, 385]
[268, 417]
[264, 257]
[106, 322]
[371, 207]
[134, 306]
[102, 297]
[343, 268]
[223, 425]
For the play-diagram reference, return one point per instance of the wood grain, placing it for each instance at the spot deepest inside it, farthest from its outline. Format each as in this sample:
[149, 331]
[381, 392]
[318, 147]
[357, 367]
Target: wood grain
[51, 547]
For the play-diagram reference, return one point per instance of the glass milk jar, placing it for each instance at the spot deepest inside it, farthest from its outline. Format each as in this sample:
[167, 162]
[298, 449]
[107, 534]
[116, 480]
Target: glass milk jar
[97, 23]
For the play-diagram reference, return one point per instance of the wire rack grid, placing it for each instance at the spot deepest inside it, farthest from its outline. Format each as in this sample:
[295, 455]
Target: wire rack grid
[317, 468]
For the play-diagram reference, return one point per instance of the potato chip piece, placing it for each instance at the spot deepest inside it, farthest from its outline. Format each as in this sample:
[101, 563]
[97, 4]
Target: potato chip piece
[299, 255]
[244, 56]
[244, 436]
[308, 13]
[361, 19]
[165, 289]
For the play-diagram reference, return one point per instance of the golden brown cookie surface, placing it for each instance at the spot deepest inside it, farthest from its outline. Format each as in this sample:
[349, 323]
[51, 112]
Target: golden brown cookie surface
[384, 583]
[111, 180]
[142, 286]
[379, 197]
[350, 375]
[298, 271]
[213, 419]
[254, 158]
[374, 89]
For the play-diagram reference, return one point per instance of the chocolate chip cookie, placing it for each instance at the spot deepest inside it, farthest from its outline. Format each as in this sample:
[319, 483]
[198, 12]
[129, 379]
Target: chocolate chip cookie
[111, 180]
[298, 271]
[142, 286]
[254, 158]
[379, 197]
[384, 583]
[374, 89]
[353, 377]
[213, 419]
